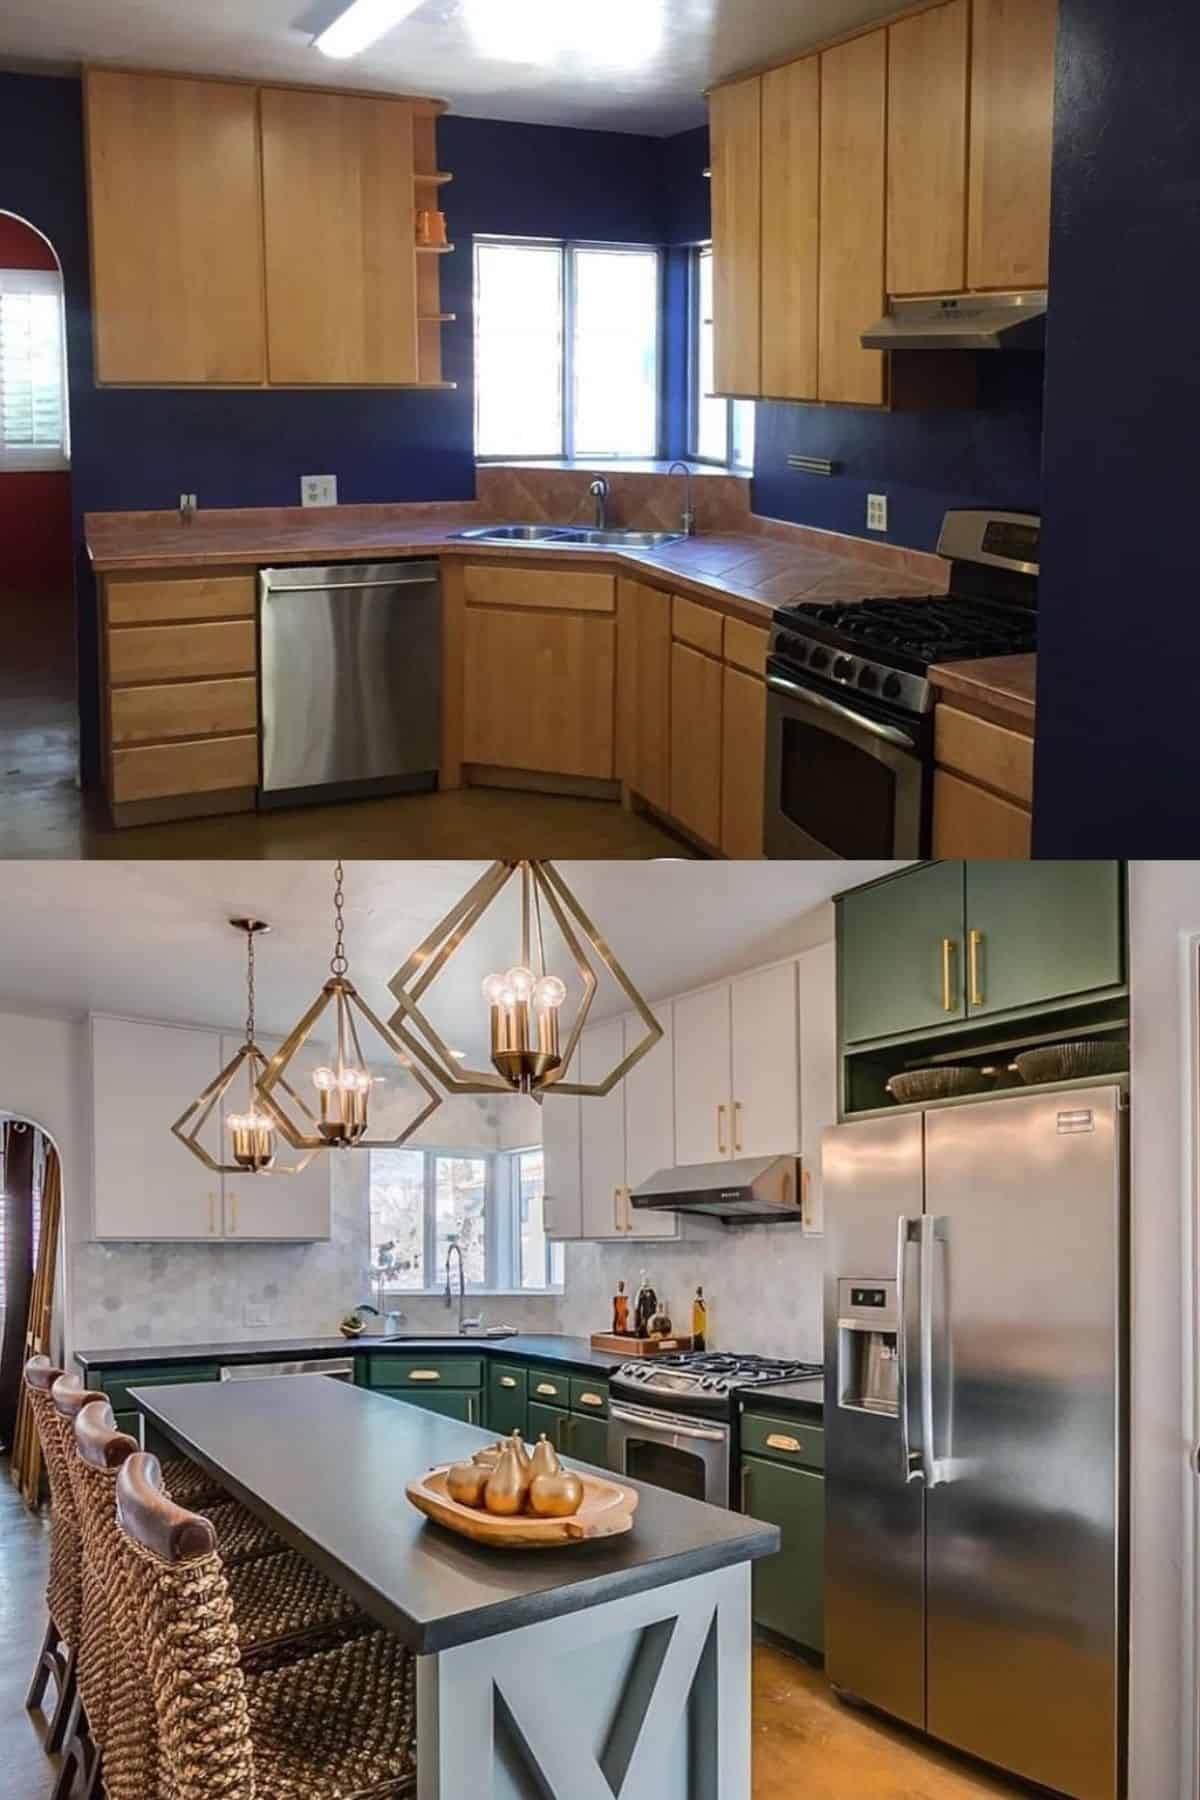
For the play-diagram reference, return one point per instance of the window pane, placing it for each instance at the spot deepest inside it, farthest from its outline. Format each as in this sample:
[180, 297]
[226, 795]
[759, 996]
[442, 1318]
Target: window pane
[397, 1215]
[530, 1225]
[518, 350]
[712, 416]
[32, 376]
[460, 1203]
[743, 434]
[616, 352]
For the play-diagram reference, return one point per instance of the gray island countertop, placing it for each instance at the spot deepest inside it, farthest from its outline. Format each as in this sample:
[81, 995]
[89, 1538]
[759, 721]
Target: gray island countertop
[326, 1466]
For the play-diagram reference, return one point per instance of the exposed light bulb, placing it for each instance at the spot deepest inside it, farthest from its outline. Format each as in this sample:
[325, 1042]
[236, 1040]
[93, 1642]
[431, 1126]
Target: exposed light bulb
[324, 1080]
[361, 24]
[521, 981]
[494, 989]
[253, 1134]
[549, 993]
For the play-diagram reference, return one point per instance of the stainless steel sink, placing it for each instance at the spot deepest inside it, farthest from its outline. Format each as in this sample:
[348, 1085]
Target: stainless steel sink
[569, 537]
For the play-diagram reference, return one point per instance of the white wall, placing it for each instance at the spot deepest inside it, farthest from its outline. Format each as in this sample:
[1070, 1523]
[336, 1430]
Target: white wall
[1165, 916]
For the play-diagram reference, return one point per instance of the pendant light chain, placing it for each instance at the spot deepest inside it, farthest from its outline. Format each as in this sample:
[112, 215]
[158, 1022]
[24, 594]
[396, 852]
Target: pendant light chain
[339, 962]
[250, 987]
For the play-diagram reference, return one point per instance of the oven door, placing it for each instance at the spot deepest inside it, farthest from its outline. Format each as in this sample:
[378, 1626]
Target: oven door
[688, 1456]
[841, 782]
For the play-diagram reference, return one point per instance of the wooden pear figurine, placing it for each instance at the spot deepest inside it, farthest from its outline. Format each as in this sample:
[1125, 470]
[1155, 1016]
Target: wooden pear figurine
[544, 1460]
[556, 1496]
[517, 1443]
[489, 1456]
[467, 1482]
[507, 1486]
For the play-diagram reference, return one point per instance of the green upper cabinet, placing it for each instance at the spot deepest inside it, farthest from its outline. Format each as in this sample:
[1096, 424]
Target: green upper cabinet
[900, 953]
[1039, 932]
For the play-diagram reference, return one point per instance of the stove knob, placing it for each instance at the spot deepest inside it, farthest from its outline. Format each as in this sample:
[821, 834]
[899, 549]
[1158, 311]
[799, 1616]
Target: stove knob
[843, 669]
[893, 687]
[868, 680]
[819, 659]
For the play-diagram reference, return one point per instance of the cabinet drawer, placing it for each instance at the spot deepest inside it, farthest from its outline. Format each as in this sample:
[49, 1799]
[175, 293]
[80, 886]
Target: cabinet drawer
[452, 1403]
[195, 709]
[117, 1382]
[589, 1396]
[207, 767]
[699, 626]
[548, 1389]
[173, 652]
[989, 753]
[562, 590]
[148, 600]
[426, 1373]
[746, 646]
[792, 1441]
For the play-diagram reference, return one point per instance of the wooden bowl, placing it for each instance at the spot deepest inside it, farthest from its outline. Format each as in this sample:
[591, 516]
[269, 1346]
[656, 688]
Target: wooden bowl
[607, 1510]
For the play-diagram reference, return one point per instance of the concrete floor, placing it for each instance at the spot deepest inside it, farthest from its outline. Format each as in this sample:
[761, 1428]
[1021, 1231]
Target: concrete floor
[805, 1742]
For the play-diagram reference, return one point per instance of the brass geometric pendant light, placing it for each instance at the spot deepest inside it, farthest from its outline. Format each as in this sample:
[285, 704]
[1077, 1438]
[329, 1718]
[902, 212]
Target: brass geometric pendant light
[524, 1002]
[344, 1085]
[252, 1132]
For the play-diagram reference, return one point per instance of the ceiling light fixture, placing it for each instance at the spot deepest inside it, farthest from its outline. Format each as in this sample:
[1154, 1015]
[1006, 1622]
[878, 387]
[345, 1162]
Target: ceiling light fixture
[252, 1132]
[344, 1085]
[525, 1002]
[361, 24]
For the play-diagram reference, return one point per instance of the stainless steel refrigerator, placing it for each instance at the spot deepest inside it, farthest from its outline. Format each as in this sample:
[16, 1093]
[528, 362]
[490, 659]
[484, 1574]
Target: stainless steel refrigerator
[974, 1442]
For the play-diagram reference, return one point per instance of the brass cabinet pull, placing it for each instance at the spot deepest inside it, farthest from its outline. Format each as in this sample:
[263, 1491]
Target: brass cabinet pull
[948, 949]
[470, 1409]
[508, 1381]
[721, 1148]
[617, 1225]
[976, 943]
[424, 1375]
[805, 1197]
[737, 1126]
[546, 1387]
[628, 1194]
[777, 1441]
[591, 1400]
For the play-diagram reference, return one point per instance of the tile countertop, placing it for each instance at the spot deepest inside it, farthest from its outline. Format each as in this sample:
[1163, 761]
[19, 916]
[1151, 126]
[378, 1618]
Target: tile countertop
[1006, 683]
[574, 1351]
[748, 572]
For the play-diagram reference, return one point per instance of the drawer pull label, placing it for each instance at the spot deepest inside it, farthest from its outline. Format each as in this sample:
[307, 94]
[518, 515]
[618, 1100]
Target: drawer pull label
[546, 1387]
[424, 1375]
[777, 1441]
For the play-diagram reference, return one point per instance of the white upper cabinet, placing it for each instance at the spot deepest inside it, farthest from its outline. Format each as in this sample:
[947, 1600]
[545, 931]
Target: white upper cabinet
[766, 1073]
[562, 1130]
[703, 1076]
[818, 1071]
[601, 1048]
[145, 1183]
[650, 1121]
[275, 1205]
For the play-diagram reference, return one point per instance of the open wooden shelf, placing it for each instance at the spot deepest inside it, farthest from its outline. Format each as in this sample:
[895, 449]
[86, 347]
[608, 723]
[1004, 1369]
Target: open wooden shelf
[435, 178]
[434, 249]
[436, 318]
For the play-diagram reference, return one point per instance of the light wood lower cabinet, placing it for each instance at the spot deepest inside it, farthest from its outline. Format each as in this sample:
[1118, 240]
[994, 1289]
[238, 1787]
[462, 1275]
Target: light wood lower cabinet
[971, 823]
[983, 788]
[697, 692]
[643, 691]
[538, 691]
[743, 771]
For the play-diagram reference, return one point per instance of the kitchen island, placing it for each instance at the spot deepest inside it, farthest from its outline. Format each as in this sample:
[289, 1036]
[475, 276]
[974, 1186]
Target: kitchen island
[614, 1667]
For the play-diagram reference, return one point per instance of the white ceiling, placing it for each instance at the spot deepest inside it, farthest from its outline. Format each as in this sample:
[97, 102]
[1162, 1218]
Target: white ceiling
[151, 939]
[626, 65]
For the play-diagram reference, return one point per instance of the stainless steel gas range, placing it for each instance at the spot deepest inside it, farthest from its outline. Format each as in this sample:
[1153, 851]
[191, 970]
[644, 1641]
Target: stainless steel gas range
[849, 703]
[672, 1419]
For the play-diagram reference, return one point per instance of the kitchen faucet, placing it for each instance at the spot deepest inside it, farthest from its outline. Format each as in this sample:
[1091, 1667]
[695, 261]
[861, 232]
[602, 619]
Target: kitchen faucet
[599, 491]
[689, 517]
[464, 1325]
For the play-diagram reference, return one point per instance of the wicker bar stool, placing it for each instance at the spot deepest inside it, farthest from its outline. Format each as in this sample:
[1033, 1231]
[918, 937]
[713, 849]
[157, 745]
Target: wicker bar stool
[56, 1656]
[84, 1732]
[335, 1725]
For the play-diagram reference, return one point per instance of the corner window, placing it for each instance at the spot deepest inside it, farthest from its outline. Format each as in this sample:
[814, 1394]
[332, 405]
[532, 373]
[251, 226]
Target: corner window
[33, 378]
[566, 350]
[720, 431]
[488, 1202]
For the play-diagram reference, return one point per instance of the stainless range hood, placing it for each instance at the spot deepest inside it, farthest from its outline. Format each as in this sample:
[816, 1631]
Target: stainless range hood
[962, 322]
[752, 1190]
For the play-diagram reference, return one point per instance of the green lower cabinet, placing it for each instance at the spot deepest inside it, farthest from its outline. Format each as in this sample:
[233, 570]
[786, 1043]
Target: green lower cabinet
[553, 1420]
[789, 1588]
[453, 1403]
[506, 1391]
[587, 1438]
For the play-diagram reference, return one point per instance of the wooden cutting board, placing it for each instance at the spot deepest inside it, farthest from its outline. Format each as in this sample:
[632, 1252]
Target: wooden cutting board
[632, 1346]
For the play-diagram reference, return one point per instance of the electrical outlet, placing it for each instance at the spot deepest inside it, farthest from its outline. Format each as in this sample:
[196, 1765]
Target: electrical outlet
[187, 503]
[877, 512]
[318, 490]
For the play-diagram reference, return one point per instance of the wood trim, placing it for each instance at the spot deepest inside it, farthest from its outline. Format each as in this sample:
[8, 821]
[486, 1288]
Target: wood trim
[424, 102]
[147, 599]
[454, 608]
[698, 626]
[746, 646]
[551, 590]
[541, 781]
[972, 824]
[141, 654]
[883, 23]
[152, 772]
[180, 807]
[189, 709]
[991, 754]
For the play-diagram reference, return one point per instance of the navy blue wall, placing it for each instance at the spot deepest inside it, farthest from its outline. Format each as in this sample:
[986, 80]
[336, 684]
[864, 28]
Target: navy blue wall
[1119, 656]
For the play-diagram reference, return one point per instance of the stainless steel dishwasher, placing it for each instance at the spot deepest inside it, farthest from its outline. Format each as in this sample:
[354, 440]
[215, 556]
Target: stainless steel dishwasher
[350, 661]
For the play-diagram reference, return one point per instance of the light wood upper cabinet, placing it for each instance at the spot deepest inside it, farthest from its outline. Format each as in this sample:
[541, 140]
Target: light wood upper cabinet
[737, 222]
[853, 134]
[791, 160]
[644, 690]
[176, 229]
[1012, 128]
[927, 151]
[340, 233]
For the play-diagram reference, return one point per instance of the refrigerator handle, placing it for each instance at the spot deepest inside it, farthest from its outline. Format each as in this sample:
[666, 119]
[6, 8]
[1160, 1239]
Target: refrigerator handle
[912, 1453]
[929, 1235]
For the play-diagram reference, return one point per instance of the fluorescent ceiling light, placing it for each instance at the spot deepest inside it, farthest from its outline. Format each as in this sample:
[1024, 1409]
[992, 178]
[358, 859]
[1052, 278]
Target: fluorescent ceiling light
[609, 34]
[361, 24]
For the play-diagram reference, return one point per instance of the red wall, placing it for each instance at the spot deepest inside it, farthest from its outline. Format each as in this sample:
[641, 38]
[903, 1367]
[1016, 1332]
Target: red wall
[35, 507]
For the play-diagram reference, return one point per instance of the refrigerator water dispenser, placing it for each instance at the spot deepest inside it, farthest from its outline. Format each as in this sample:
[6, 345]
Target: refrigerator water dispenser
[868, 1353]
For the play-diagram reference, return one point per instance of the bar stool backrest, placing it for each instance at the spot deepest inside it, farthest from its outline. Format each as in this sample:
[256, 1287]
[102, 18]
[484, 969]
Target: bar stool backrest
[120, 1716]
[63, 1587]
[188, 1638]
[69, 1397]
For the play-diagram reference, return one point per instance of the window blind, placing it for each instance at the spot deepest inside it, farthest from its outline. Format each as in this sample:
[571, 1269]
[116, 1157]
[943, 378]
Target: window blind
[33, 410]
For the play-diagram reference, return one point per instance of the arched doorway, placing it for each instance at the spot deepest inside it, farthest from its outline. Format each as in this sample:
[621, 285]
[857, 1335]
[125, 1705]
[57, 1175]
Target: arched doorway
[39, 723]
[30, 1251]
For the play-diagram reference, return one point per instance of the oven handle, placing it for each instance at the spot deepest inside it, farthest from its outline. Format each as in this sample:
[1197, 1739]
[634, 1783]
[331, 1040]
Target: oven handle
[860, 721]
[675, 1428]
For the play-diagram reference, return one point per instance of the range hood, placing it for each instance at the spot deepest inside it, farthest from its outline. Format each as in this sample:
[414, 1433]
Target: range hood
[751, 1190]
[962, 322]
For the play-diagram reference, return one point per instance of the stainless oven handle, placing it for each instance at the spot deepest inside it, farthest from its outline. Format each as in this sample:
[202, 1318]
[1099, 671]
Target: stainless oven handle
[673, 1426]
[872, 727]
